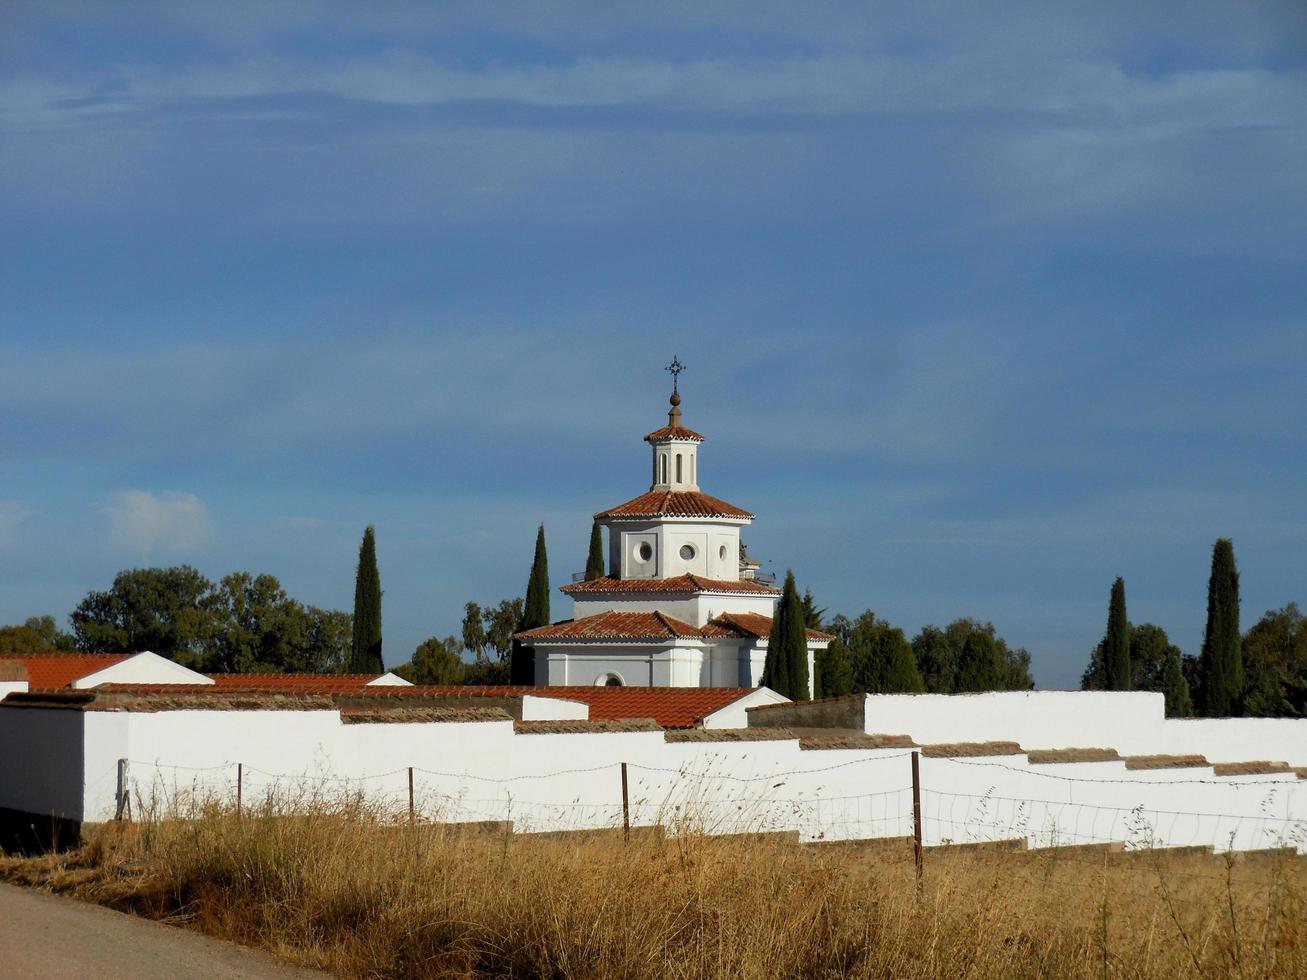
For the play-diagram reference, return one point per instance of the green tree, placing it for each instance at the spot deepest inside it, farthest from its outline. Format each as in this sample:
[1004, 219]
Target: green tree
[1149, 649]
[937, 659]
[1175, 688]
[980, 664]
[787, 647]
[474, 631]
[535, 612]
[328, 642]
[834, 670]
[883, 661]
[501, 622]
[157, 609]
[1275, 661]
[38, 634]
[1116, 640]
[776, 666]
[435, 661]
[366, 653]
[812, 616]
[594, 562]
[1016, 668]
[1221, 658]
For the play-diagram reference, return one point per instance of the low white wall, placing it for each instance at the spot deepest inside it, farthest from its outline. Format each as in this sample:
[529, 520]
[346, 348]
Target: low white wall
[1132, 722]
[8, 687]
[735, 715]
[65, 762]
[1035, 719]
[553, 709]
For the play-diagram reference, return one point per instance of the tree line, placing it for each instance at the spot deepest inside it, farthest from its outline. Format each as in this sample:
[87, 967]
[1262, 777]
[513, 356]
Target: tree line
[1260, 673]
[869, 655]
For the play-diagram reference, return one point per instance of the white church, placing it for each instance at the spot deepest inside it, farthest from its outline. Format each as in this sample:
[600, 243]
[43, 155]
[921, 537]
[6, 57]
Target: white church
[682, 606]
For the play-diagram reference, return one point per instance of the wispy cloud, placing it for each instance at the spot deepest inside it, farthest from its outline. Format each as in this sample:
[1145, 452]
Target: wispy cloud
[12, 514]
[145, 523]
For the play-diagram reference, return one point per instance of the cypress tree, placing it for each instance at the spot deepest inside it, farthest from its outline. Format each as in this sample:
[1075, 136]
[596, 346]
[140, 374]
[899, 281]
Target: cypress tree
[776, 668]
[1221, 660]
[1176, 689]
[594, 562]
[365, 655]
[786, 668]
[1116, 641]
[534, 613]
[795, 641]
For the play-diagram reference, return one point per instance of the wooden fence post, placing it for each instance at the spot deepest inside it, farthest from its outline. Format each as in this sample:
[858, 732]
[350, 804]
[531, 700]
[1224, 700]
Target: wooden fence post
[916, 813]
[240, 779]
[412, 813]
[123, 803]
[626, 807]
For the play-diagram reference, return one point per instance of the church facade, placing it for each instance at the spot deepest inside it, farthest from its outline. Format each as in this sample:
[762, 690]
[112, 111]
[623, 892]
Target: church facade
[681, 605]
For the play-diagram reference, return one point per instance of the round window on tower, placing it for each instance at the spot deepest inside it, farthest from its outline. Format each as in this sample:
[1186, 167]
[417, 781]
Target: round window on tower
[687, 552]
[645, 551]
[721, 552]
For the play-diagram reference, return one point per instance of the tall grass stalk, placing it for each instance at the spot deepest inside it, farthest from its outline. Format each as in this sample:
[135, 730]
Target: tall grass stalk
[345, 887]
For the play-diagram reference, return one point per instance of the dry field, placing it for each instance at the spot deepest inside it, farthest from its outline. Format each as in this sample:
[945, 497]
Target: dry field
[340, 890]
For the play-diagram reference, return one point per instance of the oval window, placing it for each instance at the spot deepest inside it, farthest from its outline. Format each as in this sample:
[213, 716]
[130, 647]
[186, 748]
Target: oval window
[645, 551]
[721, 552]
[687, 552]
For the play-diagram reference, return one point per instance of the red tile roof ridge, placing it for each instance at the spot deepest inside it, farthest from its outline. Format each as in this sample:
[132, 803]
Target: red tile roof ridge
[756, 624]
[53, 671]
[687, 583]
[614, 625]
[675, 503]
[673, 432]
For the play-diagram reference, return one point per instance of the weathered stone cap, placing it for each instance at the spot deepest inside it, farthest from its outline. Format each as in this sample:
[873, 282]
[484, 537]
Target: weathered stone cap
[585, 727]
[1047, 757]
[728, 735]
[958, 750]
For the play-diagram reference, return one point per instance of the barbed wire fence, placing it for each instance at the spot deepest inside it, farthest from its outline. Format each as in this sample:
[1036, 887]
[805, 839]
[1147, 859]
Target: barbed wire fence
[1078, 817]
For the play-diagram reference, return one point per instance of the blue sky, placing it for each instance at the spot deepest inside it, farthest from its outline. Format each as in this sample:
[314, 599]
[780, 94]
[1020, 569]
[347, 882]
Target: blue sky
[981, 309]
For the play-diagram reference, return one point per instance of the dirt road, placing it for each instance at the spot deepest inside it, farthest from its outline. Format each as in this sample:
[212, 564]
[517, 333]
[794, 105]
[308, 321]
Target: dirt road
[52, 937]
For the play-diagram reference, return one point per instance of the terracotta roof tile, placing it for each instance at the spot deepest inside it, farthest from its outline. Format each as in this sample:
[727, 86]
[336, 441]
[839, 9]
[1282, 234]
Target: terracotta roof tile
[687, 584]
[292, 682]
[51, 671]
[616, 626]
[675, 503]
[756, 625]
[673, 432]
[670, 707]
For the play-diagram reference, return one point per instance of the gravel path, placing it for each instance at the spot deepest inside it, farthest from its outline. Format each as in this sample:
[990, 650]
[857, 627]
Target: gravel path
[49, 936]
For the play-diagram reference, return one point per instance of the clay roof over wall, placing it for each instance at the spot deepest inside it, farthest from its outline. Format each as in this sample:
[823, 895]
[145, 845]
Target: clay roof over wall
[616, 626]
[1259, 767]
[586, 727]
[855, 740]
[729, 735]
[687, 584]
[293, 682]
[757, 625]
[51, 671]
[1045, 757]
[673, 432]
[399, 714]
[1166, 762]
[669, 707]
[959, 750]
[675, 503]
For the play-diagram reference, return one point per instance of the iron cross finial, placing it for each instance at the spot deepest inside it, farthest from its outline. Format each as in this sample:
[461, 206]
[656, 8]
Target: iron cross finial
[675, 368]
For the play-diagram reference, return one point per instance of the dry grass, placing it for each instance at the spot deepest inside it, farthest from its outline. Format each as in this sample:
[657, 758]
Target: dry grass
[342, 890]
